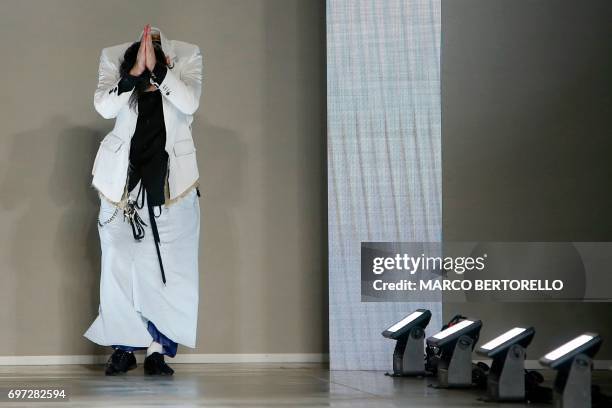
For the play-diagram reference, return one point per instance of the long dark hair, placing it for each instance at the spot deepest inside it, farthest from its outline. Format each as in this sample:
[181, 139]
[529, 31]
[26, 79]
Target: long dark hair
[129, 59]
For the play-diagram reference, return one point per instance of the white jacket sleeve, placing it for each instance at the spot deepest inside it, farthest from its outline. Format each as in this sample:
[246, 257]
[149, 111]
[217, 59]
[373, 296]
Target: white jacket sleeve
[107, 100]
[184, 92]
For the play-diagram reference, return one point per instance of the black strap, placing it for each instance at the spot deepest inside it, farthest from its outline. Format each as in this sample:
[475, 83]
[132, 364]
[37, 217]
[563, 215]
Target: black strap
[134, 219]
[137, 224]
[156, 238]
[140, 191]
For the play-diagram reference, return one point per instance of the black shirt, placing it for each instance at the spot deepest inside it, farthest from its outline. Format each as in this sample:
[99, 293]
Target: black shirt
[148, 156]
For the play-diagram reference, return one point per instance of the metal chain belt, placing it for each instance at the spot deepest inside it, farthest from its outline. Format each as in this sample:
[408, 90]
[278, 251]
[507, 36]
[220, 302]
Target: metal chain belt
[131, 215]
[110, 219]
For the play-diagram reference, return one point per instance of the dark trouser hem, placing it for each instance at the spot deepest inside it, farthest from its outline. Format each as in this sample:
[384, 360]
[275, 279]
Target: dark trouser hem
[169, 347]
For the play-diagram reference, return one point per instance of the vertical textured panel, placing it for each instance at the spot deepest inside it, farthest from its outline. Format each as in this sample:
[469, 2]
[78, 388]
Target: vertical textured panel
[384, 170]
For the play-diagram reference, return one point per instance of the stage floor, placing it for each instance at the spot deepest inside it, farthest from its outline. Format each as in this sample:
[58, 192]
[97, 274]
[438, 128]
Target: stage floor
[244, 385]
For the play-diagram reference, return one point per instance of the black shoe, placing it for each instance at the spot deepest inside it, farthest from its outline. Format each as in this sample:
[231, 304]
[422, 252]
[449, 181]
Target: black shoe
[155, 365]
[120, 362]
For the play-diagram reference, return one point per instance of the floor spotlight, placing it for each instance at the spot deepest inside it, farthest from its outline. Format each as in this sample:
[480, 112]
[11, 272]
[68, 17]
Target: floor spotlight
[506, 379]
[455, 345]
[408, 356]
[573, 361]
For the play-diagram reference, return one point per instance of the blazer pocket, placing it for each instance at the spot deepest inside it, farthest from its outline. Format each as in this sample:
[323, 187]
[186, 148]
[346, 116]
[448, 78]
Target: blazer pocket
[112, 143]
[184, 147]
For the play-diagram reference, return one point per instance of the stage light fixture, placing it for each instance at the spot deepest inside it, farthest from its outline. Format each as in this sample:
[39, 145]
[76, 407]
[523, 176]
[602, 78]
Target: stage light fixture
[408, 356]
[455, 345]
[573, 362]
[506, 379]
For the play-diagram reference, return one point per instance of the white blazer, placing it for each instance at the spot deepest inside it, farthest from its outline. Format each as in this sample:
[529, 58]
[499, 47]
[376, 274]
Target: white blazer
[180, 89]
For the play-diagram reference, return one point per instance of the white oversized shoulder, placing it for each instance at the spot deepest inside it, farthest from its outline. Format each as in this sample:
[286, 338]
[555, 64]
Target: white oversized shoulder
[115, 53]
[184, 49]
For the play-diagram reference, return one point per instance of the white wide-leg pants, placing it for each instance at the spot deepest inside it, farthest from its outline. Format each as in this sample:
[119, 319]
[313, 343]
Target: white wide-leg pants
[131, 288]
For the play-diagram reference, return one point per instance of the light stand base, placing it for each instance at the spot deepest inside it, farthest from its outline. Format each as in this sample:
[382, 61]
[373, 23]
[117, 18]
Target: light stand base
[506, 379]
[457, 373]
[409, 355]
[573, 384]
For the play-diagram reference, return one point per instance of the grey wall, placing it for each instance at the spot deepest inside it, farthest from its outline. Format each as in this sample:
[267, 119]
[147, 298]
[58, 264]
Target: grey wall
[384, 170]
[526, 146]
[259, 134]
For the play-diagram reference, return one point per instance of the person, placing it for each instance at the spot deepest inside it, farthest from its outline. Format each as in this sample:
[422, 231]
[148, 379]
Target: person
[145, 173]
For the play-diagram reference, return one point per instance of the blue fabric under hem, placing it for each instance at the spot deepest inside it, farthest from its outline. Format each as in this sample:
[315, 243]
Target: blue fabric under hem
[169, 347]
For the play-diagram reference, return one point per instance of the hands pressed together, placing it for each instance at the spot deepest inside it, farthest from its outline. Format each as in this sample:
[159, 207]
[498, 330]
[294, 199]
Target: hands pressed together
[146, 54]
